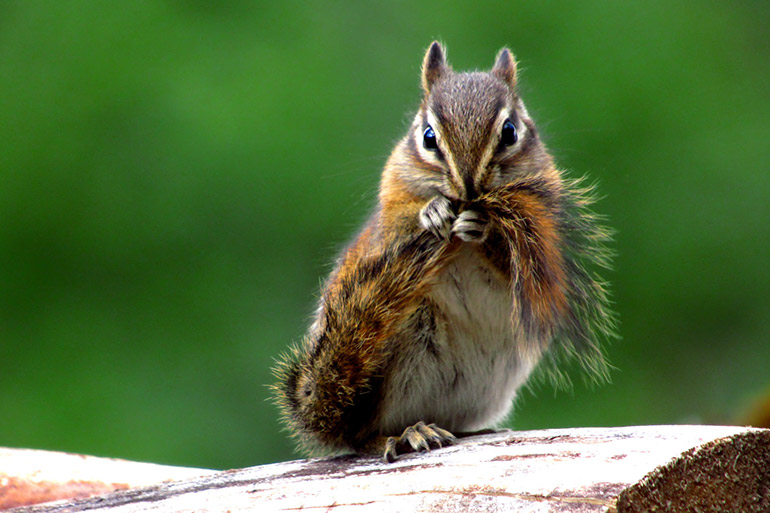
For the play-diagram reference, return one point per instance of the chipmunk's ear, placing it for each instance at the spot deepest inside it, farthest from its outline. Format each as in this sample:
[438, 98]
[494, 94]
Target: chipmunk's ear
[433, 66]
[505, 67]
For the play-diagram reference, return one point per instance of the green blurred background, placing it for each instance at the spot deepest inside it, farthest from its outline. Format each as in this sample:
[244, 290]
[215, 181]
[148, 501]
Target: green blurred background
[176, 177]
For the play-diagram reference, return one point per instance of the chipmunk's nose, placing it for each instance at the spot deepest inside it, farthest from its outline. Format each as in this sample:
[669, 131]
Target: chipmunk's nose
[469, 192]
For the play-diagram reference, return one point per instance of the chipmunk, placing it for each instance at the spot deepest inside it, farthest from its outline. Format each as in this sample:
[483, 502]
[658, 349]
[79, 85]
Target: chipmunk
[474, 266]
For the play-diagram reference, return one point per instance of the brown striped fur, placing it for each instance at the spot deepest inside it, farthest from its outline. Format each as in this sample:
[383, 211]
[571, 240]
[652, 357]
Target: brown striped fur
[419, 324]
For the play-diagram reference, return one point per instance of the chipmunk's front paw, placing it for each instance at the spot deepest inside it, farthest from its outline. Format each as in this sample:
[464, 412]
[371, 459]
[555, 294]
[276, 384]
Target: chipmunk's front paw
[471, 226]
[438, 216]
[417, 438]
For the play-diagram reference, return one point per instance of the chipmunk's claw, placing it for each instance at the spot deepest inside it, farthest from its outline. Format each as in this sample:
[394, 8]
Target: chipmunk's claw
[471, 226]
[437, 216]
[417, 438]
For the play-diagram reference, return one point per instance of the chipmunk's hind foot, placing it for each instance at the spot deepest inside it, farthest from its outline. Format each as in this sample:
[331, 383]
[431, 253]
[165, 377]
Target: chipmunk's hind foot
[417, 438]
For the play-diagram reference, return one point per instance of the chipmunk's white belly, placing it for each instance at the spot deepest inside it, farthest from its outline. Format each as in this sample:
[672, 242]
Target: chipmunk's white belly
[466, 377]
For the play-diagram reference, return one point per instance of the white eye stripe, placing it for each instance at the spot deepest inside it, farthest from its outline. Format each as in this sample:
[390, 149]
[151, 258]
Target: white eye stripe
[494, 140]
[447, 162]
[433, 122]
[521, 127]
[502, 116]
[426, 154]
[485, 172]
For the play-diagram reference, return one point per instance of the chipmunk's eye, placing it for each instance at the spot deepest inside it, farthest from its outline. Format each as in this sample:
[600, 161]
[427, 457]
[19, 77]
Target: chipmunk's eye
[429, 139]
[508, 136]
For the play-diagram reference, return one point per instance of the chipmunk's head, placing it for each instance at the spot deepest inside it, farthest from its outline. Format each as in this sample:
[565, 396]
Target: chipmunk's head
[472, 132]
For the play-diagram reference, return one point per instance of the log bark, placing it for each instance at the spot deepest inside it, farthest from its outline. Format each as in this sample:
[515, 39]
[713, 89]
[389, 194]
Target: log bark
[29, 476]
[561, 470]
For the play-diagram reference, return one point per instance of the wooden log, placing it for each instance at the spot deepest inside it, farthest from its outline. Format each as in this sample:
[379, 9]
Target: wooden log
[30, 476]
[559, 470]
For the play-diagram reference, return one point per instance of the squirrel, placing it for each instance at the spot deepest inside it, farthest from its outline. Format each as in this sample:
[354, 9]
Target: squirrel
[477, 263]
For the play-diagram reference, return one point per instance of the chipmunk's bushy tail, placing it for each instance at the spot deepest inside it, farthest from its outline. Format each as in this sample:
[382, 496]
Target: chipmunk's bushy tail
[340, 363]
